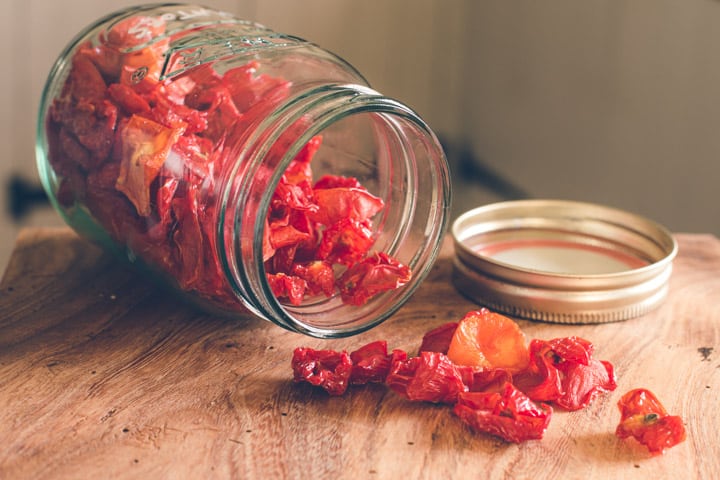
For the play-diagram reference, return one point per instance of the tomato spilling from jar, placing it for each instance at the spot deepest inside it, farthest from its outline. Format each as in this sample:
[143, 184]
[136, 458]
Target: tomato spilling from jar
[143, 154]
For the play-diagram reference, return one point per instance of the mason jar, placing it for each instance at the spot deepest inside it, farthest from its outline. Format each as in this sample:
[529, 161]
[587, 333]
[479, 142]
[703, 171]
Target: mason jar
[252, 171]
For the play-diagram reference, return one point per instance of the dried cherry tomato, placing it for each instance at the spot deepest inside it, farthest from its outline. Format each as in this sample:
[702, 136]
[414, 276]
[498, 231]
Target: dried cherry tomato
[563, 371]
[489, 340]
[508, 414]
[429, 377]
[644, 418]
[372, 275]
[370, 363]
[327, 369]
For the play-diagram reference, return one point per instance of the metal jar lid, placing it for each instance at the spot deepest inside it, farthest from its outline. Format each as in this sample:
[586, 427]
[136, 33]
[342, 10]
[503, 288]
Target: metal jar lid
[562, 261]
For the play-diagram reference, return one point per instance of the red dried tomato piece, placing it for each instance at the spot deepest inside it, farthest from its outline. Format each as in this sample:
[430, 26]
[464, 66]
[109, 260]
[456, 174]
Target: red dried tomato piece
[508, 414]
[167, 186]
[286, 235]
[307, 153]
[583, 383]
[127, 99]
[337, 181]
[322, 368]
[319, 276]
[197, 163]
[287, 286]
[92, 122]
[563, 371]
[572, 349]
[438, 339]
[372, 276]
[73, 150]
[85, 81]
[335, 204]
[220, 110]
[282, 260]
[345, 242]
[189, 241]
[644, 418]
[484, 380]
[107, 59]
[541, 381]
[107, 205]
[173, 115]
[370, 363]
[296, 196]
[141, 68]
[489, 340]
[429, 377]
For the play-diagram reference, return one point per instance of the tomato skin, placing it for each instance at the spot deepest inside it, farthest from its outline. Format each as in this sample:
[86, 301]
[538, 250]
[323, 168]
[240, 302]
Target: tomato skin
[644, 418]
[508, 414]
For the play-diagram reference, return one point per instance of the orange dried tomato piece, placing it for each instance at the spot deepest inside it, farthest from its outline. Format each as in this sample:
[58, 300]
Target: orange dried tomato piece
[489, 340]
[145, 146]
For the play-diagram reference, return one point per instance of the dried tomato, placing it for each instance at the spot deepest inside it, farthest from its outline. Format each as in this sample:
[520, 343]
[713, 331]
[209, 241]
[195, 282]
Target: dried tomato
[484, 380]
[327, 369]
[490, 340]
[644, 418]
[337, 181]
[345, 242]
[370, 363]
[128, 99]
[563, 371]
[583, 383]
[541, 381]
[438, 339]
[429, 377]
[338, 203]
[188, 240]
[290, 287]
[373, 275]
[508, 414]
[319, 276]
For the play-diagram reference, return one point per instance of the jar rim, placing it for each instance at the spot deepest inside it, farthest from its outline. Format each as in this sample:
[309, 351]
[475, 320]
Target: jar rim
[327, 106]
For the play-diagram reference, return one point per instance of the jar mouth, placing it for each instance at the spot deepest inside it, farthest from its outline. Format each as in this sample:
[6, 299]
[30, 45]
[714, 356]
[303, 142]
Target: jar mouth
[391, 152]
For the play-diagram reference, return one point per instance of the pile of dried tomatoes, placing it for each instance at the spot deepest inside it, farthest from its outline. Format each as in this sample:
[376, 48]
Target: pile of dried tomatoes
[495, 382]
[146, 156]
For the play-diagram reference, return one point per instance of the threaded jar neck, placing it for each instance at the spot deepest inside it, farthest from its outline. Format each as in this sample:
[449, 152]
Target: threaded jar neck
[379, 141]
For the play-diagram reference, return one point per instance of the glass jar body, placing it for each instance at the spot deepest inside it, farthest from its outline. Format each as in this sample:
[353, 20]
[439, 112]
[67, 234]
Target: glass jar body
[228, 158]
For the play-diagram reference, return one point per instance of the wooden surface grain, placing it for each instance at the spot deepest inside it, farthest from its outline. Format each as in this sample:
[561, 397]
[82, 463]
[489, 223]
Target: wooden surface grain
[103, 375]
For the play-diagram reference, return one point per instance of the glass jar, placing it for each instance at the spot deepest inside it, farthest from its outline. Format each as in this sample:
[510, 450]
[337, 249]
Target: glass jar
[253, 170]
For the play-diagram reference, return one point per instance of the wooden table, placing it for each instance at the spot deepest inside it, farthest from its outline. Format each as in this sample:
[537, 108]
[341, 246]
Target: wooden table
[102, 375]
